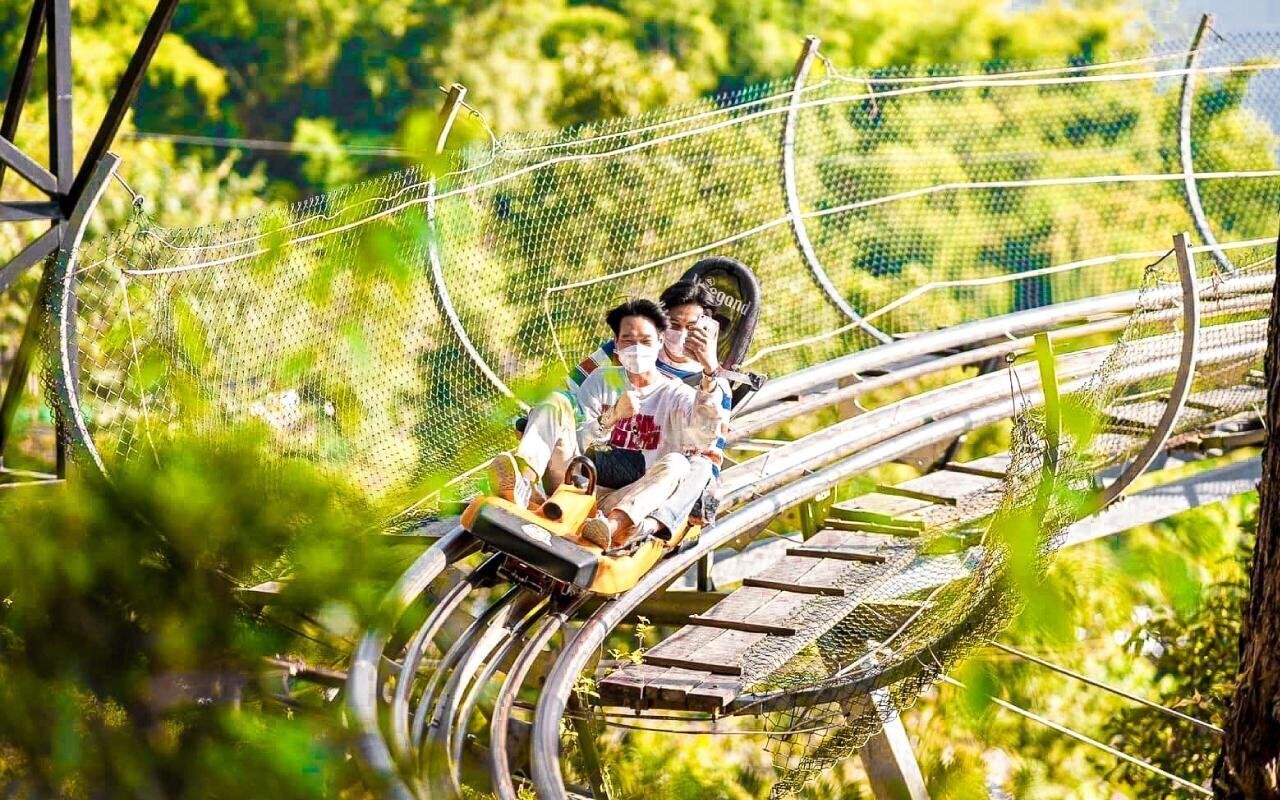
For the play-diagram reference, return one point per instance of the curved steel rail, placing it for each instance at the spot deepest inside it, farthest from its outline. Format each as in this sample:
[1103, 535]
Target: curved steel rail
[789, 476]
[1182, 381]
[547, 777]
[799, 232]
[1185, 104]
[363, 678]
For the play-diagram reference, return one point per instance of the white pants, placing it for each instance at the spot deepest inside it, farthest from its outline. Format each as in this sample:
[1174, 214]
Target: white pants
[550, 439]
[650, 493]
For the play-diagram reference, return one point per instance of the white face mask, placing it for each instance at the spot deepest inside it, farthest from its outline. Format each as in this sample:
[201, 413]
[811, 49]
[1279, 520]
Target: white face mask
[674, 340]
[638, 358]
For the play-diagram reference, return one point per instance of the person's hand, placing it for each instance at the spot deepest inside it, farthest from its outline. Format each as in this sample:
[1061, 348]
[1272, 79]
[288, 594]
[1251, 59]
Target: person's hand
[704, 426]
[701, 344]
[625, 408]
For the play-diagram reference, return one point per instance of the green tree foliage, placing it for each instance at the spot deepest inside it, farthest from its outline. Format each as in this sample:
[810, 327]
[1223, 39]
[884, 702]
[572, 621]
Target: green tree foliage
[111, 593]
[129, 664]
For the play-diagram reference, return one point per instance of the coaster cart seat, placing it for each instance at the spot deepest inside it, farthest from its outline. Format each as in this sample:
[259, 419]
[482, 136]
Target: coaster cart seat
[735, 293]
[544, 549]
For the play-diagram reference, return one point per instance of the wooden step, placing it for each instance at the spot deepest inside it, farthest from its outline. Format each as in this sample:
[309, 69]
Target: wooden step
[701, 648]
[1141, 416]
[753, 609]
[908, 529]
[946, 487]
[838, 553]
[848, 546]
[996, 466]
[645, 685]
[875, 507]
[821, 576]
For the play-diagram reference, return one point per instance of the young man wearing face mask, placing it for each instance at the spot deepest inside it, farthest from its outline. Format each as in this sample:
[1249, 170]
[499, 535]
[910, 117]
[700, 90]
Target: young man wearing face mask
[640, 414]
[689, 355]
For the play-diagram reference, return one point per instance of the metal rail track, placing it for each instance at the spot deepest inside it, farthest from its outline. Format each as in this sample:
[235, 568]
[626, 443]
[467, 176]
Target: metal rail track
[511, 635]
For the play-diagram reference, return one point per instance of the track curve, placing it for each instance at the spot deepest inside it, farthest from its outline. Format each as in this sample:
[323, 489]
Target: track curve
[514, 641]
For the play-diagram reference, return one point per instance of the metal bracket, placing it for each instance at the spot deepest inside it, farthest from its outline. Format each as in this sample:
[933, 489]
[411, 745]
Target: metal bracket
[66, 189]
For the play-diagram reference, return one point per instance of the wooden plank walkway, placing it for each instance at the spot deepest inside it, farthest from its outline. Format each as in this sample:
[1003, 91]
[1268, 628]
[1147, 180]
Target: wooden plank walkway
[867, 558]
[864, 556]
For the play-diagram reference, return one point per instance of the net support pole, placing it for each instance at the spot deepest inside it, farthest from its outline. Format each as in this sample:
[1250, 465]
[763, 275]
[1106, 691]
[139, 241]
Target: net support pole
[61, 301]
[1052, 401]
[891, 765]
[122, 100]
[799, 232]
[21, 82]
[52, 18]
[1181, 382]
[1185, 104]
[448, 114]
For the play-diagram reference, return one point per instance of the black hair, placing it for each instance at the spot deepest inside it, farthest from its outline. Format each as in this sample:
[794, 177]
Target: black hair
[682, 293]
[639, 307]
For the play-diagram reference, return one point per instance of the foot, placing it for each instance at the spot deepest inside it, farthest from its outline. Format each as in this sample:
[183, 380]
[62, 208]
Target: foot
[598, 531]
[508, 481]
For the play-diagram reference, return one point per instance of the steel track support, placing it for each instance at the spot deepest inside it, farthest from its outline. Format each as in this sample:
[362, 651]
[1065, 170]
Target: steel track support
[67, 190]
[891, 765]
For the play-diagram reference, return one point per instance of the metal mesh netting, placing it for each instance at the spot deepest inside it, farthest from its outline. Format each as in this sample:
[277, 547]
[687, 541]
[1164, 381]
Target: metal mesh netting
[915, 619]
[391, 329]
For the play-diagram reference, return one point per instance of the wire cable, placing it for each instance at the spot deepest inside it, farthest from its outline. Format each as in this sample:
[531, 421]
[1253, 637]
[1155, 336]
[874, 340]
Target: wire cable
[1080, 737]
[1205, 726]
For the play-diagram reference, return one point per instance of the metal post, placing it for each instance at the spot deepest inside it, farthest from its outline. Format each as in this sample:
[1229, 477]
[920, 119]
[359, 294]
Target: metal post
[891, 766]
[65, 187]
[448, 113]
[798, 230]
[1185, 104]
[1052, 402]
[55, 181]
[22, 76]
[126, 92]
[58, 44]
[1181, 382]
[705, 582]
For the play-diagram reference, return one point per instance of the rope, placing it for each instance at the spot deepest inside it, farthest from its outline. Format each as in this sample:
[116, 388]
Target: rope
[272, 145]
[1080, 737]
[1206, 726]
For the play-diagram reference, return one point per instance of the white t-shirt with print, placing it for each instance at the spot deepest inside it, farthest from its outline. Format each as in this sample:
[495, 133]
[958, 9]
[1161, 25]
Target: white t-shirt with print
[658, 427]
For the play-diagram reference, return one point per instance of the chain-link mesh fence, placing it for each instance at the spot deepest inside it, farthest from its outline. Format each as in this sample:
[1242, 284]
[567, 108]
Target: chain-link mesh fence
[920, 616]
[390, 330]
